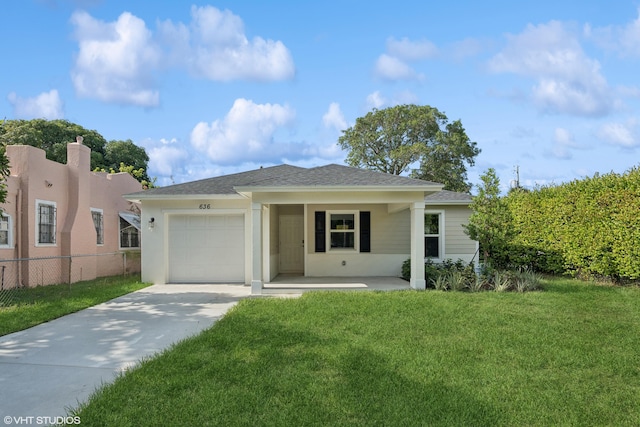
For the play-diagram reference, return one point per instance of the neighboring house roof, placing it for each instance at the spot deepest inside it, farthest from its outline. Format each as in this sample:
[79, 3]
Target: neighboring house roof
[290, 178]
[446, 197]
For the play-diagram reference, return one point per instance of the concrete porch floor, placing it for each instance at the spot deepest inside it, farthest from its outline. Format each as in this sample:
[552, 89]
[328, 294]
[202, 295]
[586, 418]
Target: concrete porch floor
[293, 284]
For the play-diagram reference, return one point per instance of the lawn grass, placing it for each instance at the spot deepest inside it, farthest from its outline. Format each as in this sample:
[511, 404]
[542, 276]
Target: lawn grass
[568, 355]
[32, 306]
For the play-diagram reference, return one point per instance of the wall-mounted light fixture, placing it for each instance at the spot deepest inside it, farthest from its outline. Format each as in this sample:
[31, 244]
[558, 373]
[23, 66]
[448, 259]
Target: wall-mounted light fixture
[152, 223]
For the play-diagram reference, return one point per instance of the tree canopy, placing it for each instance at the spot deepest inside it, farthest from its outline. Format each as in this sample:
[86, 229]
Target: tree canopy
[4, 173]
[53, 136]
[490, 223]
[392, 139]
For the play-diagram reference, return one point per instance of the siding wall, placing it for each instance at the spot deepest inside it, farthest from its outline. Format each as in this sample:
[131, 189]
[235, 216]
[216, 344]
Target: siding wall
[389, 232]
[457, 244]
[390, 244]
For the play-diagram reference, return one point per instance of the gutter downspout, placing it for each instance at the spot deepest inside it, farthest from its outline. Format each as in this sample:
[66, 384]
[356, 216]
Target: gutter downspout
[18, 226]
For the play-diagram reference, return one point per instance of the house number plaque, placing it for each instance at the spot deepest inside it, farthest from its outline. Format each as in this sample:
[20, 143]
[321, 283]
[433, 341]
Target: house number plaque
[205, 206]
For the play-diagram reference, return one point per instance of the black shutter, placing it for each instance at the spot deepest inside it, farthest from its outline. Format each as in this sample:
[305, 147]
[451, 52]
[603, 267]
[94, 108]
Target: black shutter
[321, 224]
[365, 231]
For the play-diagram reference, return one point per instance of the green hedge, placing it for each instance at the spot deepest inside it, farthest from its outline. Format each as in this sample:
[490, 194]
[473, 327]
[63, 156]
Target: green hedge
[589, 226]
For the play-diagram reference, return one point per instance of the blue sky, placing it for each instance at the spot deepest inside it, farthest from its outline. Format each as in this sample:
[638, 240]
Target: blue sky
[209, 88]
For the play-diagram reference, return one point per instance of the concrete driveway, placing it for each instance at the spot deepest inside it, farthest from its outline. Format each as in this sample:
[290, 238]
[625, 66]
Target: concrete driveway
[50, 368]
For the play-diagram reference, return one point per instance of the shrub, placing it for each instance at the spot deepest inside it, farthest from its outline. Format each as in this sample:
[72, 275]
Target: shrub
[460, 276]
[589, 226]
[479, 284]
[527, 280]
[406, 269]
[440, 283]
[456, 280]
[501, 281]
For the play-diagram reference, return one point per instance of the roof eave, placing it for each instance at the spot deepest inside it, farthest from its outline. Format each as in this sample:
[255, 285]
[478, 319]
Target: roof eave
[190, 196]
[448, 202]
[337, 188]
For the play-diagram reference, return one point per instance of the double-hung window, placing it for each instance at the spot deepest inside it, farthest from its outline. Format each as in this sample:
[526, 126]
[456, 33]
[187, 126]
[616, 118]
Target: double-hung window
[5, 231]
[433, 235]
[129, 235]
[45, 222]
[342, 230]
[98, 223]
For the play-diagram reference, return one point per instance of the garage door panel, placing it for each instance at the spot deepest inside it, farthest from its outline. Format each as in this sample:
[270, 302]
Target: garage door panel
[198, 239]
[206, 248]
[235, 222]
[219, 221]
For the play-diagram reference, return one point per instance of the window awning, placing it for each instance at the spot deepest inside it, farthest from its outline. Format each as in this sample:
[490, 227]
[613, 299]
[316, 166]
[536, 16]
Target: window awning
[131, 218]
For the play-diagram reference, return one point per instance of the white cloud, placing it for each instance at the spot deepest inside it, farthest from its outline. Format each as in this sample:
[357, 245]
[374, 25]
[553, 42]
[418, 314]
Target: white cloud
[394, 64]
[246, 134]
[391, 68]
[378, 101]
[166, 159]
[465, 48]
[334, 118]
[47, 105]
[404, 97]
[116, 60]
[624, 135]
[628, 91]
[565, 138]
[564, 143]
[408, 50]
[246, 138]
[567, 81]
[622, 39]
[214, 46]
[375, 100]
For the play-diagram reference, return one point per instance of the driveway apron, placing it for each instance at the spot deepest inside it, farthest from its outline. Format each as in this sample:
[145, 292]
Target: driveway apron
[50, 368]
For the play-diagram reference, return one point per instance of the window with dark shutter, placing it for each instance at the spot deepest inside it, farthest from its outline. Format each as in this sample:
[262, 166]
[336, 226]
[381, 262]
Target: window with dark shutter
[365, 231]
[321, 217]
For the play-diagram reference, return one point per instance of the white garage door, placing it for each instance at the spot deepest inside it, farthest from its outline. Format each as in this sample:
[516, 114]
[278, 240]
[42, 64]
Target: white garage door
[206, 248]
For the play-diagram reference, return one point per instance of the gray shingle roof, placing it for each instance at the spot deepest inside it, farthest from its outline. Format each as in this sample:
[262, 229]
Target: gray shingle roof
[446, 196]
[338, 175]
[286, 176]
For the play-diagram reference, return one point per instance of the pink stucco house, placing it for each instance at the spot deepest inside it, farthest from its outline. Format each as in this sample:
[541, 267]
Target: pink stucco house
[74, 219]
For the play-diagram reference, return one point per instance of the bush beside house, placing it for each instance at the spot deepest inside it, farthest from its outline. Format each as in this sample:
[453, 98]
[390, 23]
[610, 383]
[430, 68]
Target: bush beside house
[588, 227]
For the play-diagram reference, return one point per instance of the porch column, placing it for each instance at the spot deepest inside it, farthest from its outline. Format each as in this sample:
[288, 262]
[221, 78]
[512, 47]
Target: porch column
[417, 280]
[256, 248]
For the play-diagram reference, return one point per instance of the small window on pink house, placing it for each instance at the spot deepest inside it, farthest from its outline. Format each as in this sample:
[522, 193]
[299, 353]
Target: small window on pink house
[129, 230]
[98, 223]
[45, 222]
[5, 231]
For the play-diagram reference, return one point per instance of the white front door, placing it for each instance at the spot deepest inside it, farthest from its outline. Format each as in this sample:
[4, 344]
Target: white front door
[292, 244]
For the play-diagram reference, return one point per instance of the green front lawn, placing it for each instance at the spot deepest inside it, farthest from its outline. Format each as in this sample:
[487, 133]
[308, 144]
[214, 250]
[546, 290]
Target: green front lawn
[32, 306]
[566, 356]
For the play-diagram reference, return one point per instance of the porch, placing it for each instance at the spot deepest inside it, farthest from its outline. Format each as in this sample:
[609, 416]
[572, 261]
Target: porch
[295, 284]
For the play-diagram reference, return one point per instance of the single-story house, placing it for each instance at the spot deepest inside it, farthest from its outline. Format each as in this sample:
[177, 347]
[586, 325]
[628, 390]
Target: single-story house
[54, 211]
[330, 220]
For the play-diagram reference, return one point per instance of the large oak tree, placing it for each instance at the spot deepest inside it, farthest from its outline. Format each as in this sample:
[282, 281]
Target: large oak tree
[390, 140]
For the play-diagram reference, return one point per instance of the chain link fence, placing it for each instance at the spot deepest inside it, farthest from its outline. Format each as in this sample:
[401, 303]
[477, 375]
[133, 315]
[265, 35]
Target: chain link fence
[16, 274]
